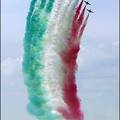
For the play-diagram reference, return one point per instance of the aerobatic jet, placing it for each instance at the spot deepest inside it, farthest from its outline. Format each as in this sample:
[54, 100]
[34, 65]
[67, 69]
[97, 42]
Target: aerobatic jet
[87, 3]
[90, 11]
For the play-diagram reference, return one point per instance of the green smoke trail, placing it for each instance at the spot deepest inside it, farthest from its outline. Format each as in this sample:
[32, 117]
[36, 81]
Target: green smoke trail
[36, 25]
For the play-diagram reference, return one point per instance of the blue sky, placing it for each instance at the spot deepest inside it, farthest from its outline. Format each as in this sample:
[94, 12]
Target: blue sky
[97, 75]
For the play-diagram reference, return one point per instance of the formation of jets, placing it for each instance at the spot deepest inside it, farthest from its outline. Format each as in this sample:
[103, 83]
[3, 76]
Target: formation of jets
[89, 10]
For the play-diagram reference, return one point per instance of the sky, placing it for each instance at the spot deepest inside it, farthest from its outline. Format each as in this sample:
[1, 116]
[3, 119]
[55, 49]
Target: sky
[97, 75]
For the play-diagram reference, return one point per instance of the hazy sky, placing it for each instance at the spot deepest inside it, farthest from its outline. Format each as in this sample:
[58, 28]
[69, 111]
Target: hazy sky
[97, 76]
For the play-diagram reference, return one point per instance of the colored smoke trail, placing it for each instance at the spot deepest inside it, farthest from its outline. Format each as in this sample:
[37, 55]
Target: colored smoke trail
[78, 10]
[33, 60]
[50, 51]
[77, 20]
[83, 28]
[69, 56]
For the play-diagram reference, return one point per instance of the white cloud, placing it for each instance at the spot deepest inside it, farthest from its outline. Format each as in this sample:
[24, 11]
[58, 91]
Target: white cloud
[11, 67]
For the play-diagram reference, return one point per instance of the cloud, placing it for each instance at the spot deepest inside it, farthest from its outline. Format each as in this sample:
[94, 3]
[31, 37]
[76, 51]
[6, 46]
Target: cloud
[11, 67]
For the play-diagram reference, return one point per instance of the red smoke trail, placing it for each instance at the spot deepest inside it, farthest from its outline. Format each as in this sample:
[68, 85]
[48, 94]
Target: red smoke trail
[77, 23]
[83, 28]
[78, 10]
[81, 18]
[69, 56]
[73, 30]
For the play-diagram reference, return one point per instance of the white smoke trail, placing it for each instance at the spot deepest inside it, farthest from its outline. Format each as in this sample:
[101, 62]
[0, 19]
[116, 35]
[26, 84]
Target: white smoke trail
[55, 40]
